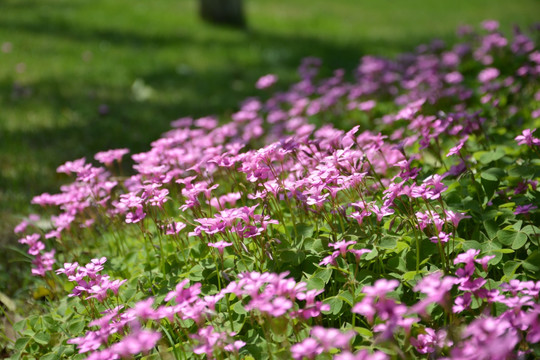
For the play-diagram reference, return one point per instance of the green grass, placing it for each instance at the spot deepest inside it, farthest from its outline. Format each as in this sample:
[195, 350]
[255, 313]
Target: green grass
[78, 55]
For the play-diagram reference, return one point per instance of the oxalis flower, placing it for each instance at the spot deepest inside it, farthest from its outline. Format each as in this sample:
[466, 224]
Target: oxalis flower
[136, 342]
[108, 157]
[488, 75]
[525, 209]
[220, 245]
[526, 138]
[266, 81]
[430, 341]
[309, 348]
[362, 355]
[455, 150]
[437, 288]
[332, 338]
[441, 237]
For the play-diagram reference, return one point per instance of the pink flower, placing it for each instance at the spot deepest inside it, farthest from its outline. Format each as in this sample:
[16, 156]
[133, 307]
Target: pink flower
[137, 342]
[330, 259]
[484, 261]
[35, 246]
[184, 122]
[467, 284]
[381, 287]
[466, 257]
[174, 228]
[43, 263]
[21, 227]
[490, 25]
[488, 75]
[231, 199]
[266, 81]
[143, 309]
[462, 303]
[332, 338]
[455, 150]
[381, 212]
[442, 237]
[208, 122]
[74, 166]
[359, 216]
[108, 157]
[181, 294]
[436, 287]
[455, 218]
[277, 307]
[98, 292]
[359, 252]
[525, 209]
[209, 340]
[92, 340]
[220, 245]
[69, 269]
[523, 186]
[487, 338]
[34, 217]
[135, 217]
[309, 348]
[362, 355]
[367, 105]
[429, 341]
[454, 77]
[341, 246]
[106, 354]
[527, 138]
[436, 186]
[235, 346]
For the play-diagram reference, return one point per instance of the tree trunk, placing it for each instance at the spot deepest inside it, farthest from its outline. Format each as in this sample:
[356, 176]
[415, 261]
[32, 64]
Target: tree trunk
[225, 12]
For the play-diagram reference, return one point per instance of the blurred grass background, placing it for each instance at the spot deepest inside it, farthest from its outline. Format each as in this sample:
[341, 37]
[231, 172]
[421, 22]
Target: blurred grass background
[80, 76]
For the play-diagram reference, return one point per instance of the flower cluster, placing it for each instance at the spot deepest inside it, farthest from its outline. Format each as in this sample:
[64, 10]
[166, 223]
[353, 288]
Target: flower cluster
[322, 340]
[241, 221]
[43, 260]
[272, 294]
[90, 284]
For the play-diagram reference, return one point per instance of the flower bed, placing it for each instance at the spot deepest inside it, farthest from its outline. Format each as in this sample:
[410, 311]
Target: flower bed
[408, 232]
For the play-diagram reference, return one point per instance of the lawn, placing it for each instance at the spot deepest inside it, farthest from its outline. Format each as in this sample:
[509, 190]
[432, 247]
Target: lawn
[79, 77]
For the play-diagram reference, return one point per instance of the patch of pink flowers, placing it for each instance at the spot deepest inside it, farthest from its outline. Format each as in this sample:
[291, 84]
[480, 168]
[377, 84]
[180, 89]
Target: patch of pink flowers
[303, 238]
